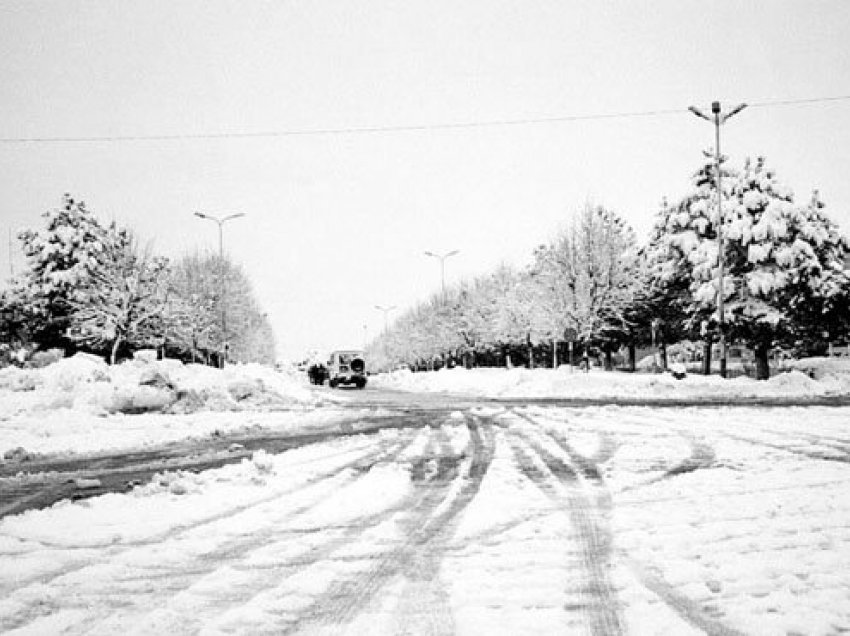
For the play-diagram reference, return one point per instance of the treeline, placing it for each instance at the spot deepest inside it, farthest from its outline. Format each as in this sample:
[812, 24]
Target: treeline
[90, 287]
[785, 285]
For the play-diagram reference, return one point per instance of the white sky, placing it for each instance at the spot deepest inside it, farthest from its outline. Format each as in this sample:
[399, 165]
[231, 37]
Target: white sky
[337, 224]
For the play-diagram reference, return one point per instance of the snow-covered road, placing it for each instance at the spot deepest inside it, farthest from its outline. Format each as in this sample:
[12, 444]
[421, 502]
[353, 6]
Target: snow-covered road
[522, 519]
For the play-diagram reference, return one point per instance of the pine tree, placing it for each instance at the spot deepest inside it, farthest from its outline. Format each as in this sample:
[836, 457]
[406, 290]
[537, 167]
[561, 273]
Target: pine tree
[783, 263]
[61, 259]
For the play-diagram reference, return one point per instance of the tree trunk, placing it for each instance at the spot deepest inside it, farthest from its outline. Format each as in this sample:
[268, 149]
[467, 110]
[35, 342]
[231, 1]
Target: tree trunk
[609, 359]
[762, 363]
[706, 357]
[662, 349]
[114, 353]
[632, 356]
[554, 353]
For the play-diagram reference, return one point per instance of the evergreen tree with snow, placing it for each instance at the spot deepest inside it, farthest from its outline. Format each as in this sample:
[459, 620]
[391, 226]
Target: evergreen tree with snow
[786, 265]
[61, 259]
[682, 244]
[783, 262]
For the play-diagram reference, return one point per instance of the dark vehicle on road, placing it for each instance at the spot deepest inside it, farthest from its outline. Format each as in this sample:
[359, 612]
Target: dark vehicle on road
[318, 373]
[347, 367]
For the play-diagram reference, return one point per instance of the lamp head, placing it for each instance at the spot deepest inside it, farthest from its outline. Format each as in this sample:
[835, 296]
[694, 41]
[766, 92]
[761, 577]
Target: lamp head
[734, 111]
[696, 111]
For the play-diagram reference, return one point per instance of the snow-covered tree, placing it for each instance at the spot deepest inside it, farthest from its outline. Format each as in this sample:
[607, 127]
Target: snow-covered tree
[683, 239]
[784, 259]
[60, 260]
[195, 311]
[781, 259]
[122, 303]
[192, 324]
[587, 278]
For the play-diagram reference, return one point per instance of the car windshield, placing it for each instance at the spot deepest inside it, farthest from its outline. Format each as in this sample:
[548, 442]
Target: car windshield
[346, 358]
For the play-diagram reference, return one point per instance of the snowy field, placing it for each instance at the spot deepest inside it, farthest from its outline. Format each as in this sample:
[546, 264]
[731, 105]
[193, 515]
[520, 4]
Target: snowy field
[489, 520]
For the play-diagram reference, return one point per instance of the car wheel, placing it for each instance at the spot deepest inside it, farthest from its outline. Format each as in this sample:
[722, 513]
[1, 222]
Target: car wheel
[332, 383]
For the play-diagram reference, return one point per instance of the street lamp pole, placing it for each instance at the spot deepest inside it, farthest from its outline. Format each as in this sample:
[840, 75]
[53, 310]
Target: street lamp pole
[222, 287]
[442, 258]
[719, 119]
[386, 311]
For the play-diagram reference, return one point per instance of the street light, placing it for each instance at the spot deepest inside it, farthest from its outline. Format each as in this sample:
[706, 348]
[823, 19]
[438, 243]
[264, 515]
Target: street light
[386, 311]
[221, 283]
[442, 258]
[718, 119]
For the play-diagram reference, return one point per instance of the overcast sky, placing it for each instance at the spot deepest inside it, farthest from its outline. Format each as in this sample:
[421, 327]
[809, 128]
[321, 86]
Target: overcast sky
[337, 223]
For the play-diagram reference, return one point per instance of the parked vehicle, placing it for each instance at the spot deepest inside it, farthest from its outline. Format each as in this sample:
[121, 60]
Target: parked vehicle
[347, 367]
[318, 373]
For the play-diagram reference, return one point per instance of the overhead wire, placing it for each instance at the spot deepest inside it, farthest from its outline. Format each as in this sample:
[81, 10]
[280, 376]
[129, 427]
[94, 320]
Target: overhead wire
[355, 130]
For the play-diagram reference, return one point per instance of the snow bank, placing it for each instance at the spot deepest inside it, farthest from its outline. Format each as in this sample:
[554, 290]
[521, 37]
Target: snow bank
[597, 384]
[821, 368]
[86, 383]
[81, 404]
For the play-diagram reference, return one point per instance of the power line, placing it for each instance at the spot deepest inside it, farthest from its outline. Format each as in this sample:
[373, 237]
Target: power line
[795, 102]
[401, 128]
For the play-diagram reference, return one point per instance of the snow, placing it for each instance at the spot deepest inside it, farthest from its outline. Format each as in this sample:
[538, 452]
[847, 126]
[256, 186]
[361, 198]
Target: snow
[81, 404]
[738, 509]
[832, 379]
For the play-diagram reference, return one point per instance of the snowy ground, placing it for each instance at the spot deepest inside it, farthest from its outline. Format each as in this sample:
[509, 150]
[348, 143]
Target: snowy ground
[814, 377]
[497, 520]
[81, 405]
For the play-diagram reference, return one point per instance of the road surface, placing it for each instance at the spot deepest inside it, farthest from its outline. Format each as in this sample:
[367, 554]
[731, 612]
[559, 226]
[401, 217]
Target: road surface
[439, 515]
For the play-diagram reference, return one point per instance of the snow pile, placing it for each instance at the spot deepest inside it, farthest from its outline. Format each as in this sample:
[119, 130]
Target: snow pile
[597, 384]
[86, 383]
[821, 368]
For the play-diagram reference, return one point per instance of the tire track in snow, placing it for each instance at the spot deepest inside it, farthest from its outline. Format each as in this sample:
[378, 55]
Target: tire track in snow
[420, 548]
[225, 553]
[688, 609]
[702, 456]
[253, 581]
[842, 457]
[595, 596]
[424, 600]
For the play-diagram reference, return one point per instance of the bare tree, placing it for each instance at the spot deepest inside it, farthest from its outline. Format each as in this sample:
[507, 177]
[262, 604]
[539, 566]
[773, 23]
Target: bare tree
[120, 302]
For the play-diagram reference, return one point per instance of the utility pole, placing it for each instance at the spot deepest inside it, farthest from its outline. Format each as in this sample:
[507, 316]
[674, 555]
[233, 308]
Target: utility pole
[442, 258]
[719, 119]
[222, 285]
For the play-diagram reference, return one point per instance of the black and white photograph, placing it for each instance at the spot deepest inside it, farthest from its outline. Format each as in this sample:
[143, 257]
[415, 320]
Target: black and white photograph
[425, 317]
